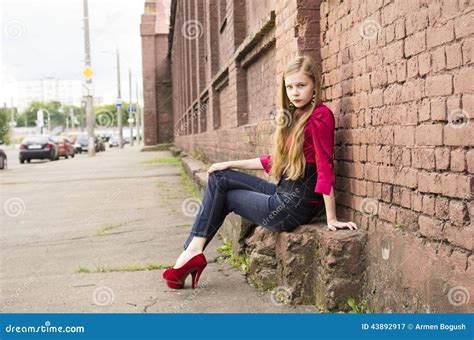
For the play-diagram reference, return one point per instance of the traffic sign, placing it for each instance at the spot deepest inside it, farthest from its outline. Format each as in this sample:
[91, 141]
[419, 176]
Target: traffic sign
[87, 73]
[119, 102]
[130, 109]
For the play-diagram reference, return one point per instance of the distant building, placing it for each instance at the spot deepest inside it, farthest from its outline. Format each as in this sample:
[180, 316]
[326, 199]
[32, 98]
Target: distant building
[68, 92]
[157, 90]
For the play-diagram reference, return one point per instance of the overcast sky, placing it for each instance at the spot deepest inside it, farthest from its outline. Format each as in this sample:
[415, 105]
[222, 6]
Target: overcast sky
[46, 39]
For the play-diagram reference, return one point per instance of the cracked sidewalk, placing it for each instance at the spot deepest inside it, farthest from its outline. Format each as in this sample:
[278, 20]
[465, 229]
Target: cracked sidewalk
[111, 212]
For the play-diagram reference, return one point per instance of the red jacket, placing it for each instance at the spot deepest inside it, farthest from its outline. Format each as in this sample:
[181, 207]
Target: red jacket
[318, 147]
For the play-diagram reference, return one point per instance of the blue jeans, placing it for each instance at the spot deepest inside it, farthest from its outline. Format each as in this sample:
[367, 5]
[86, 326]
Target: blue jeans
[251, 197]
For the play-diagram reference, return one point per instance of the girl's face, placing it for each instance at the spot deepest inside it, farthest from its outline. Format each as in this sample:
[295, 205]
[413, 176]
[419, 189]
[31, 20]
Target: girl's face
[299, 89]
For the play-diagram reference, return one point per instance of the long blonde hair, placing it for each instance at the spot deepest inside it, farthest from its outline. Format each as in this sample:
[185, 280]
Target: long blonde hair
[292, 162]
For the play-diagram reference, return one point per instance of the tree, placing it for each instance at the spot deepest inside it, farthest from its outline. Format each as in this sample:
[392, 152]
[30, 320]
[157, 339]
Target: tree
[106, 115]
[58, 113]
[4, 119]
[78, 112]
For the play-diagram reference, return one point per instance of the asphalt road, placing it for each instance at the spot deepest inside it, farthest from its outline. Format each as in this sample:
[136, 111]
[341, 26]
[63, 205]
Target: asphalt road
[12, 155]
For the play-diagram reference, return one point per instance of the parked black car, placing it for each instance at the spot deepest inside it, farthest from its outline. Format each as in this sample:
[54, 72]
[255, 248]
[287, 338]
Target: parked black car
[38, 147]
[82, 144]
[3, 160]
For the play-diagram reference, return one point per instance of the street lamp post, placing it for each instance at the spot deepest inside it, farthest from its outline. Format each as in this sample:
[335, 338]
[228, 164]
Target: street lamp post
[88, 73]
[130, 122]
[39, 121]
[137, 116]
[61, 111]
[119, 104]
[12, 125]
[130, 106]
[49, 121]
[71, 117]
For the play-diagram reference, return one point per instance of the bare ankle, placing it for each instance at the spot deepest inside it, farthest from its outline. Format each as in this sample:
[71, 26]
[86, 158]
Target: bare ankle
[193, 251]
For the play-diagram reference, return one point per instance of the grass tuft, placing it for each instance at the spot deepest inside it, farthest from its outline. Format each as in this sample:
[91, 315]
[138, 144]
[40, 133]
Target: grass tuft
[123, 269]
[103, 231]
[166, 160]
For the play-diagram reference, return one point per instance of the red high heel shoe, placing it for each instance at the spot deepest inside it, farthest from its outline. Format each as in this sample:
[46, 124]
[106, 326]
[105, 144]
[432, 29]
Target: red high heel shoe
[175, 277]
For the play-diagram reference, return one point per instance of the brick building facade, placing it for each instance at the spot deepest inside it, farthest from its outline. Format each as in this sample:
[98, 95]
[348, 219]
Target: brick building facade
[398, 76]
[154, 31]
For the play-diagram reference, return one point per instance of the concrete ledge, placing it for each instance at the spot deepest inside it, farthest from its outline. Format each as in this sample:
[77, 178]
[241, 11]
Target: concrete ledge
[175, 151]
[193, 166]
[311, 264]
[236, 229]
[157, 147]
[200, 181]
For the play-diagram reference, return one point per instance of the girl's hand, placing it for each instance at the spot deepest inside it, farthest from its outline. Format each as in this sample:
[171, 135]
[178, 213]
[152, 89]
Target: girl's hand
[218, 166]
[334, 224]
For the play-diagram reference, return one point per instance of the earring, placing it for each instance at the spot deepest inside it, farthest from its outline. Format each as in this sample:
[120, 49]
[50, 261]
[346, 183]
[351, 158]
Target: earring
[291, 106]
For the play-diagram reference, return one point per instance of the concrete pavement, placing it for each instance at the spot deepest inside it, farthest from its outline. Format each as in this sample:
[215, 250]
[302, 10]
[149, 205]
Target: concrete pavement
[76, 235]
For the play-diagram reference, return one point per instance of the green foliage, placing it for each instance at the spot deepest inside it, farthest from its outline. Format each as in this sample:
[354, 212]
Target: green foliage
[199, 154]
[82, 269]
[107, 115]
[79, 113]
[162, 160]
[57, 112]
[237, 261]
[5, 117]
[240, 262]
[126, 268]
[187, 183]
[226, 248]
[6, 139]
[362, 307]
[103, 231]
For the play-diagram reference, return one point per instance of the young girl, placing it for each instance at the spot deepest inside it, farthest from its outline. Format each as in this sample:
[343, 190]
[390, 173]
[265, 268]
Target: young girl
[301, 163]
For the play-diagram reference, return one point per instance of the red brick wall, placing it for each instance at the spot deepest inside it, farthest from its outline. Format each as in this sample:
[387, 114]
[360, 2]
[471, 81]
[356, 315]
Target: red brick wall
[157, 87]
[240, 101]
[261, 87]
[255, 11]
[404, 169]
[397, 73]
[149, 88]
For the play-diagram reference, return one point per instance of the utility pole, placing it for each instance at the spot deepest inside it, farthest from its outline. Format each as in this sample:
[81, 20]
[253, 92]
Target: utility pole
[137, 115]
[61, 110]
[119, 103]
[142, 118]
[11, 123]
[88, 73]
[71, 117]
[49, 121]
[11, 110]
[40, 121]
[130, 107]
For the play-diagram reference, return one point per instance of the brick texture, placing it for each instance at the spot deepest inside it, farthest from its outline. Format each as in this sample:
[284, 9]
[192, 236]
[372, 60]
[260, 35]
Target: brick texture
[157, 91]
[398, 77]
[411, 71]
